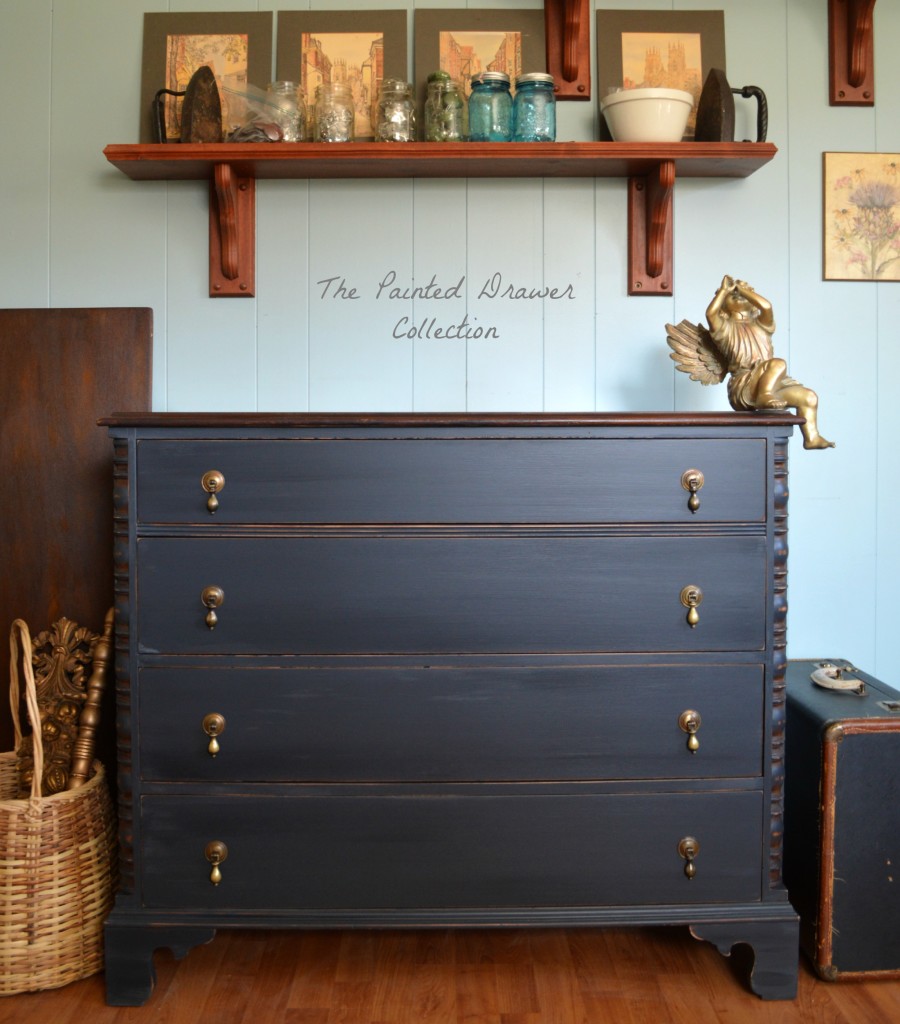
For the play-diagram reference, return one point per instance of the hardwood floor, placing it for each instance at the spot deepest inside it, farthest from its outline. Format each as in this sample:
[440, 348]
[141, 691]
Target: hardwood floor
[639, 976]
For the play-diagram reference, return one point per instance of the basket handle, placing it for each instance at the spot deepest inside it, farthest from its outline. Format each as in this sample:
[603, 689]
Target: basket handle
[19, 636]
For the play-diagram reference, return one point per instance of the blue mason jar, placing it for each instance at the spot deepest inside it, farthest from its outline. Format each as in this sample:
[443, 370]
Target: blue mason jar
[490, 108]
[534, 110]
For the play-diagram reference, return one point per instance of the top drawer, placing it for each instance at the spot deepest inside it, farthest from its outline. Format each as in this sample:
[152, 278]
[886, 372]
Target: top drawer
[515, 480]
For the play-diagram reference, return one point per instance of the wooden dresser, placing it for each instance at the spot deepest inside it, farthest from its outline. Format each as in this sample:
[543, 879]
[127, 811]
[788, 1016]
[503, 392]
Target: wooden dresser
[457, 670]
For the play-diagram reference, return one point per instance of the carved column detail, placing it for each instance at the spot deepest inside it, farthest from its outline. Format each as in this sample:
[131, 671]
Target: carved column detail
[779, 595]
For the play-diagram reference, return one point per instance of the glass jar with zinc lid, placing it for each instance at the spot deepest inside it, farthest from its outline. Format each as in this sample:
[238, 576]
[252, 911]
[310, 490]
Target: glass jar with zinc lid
[445, 111]
[490, 108]
[534, 108]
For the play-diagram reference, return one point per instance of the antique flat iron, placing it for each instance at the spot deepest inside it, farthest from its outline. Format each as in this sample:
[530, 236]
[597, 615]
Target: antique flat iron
[715, 111]
[201, 111]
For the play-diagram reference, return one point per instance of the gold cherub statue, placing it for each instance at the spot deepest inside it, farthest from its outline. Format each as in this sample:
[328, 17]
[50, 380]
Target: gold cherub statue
[741, 325]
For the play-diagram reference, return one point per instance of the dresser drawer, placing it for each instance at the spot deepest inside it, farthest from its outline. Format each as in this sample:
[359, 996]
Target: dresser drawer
[449, 724]
[448, 481]
[452, 850]
[479, 594]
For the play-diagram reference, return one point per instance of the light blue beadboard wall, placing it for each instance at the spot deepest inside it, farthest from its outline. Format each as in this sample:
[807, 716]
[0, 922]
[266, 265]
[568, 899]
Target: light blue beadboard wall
[78, 233]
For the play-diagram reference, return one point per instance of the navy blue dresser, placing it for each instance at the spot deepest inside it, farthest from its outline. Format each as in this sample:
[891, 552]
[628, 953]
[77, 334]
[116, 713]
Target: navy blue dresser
[460, 670]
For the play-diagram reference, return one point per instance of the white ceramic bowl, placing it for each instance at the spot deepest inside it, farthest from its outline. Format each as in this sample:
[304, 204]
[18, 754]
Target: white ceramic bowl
[647, 115]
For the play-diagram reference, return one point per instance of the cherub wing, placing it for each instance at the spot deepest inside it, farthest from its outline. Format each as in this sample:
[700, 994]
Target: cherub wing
[695, 352]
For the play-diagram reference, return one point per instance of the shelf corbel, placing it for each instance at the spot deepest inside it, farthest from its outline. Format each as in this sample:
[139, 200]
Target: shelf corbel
[851, 52]
[232, 233]
[568, 38]
[650, 231]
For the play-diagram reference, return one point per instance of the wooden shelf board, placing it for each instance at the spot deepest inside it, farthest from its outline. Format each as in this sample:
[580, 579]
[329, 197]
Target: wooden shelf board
[195, 161]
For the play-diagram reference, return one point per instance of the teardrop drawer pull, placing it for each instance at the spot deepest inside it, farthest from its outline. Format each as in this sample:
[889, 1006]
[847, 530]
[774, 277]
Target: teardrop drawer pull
[216, 853]
[688, 848]
[690, 722]
[213, 726]
[212, 598]
[212, 482]
[692, 598]
[692, 480]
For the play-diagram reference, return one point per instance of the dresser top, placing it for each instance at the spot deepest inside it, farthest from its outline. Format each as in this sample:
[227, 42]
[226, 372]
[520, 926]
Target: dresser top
[450, 419]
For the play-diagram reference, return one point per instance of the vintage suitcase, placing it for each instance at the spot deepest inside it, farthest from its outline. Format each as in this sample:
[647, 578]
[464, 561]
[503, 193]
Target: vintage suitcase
[842, 818]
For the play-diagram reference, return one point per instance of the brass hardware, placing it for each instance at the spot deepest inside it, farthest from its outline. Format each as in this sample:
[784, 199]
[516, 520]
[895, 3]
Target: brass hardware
[691, 597]
[212, 598]
[693, 480]
[688, 848]
[690, 722]
[216, 853]
[213, 726]
[212, 482]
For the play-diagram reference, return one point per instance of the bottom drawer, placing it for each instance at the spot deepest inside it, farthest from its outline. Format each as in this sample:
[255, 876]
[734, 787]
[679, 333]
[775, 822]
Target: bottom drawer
[450, 849]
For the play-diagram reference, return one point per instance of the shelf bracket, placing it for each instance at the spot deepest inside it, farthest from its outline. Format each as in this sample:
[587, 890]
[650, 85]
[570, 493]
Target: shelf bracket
[851, 53]
[567, 26]
[650, 231]
[232, 234]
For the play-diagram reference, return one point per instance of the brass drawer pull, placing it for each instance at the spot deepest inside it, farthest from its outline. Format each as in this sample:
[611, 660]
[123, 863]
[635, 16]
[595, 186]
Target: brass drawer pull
[691, 598]
[216, 853]
[688, 848]
[212, 482]
[212, 598]
[692, 480]
[690, 722]
[214, 726]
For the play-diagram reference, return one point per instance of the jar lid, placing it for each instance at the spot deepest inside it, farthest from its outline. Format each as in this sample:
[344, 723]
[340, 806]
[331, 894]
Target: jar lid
[491, 76]
[395, 85]
[534, 76]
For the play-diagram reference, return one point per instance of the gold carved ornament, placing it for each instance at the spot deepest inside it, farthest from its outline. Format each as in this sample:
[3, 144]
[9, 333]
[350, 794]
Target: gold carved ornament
[739, 343]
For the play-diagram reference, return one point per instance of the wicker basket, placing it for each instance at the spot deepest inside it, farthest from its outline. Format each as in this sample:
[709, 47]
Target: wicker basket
[57, 864]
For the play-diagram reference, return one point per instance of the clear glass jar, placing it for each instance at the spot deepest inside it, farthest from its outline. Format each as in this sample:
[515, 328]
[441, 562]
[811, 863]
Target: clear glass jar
[287, 109]
[534, 109]
[395, 112]
[445, 112]
[334, 114]
[490, 108]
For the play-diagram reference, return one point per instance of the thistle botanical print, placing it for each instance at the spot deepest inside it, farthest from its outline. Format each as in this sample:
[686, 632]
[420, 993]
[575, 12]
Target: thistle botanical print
[862, 216]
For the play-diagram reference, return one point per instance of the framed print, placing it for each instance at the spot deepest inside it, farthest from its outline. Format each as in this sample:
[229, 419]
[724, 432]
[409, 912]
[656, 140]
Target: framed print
[861, 223]
[359, 47]
[658, 50]
[238, 48]
[465, 42]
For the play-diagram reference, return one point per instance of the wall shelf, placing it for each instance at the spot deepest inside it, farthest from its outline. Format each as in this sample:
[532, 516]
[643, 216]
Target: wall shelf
[233, 169]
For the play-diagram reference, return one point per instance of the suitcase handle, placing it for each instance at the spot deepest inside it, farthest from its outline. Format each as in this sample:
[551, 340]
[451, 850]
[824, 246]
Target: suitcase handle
[831, 677]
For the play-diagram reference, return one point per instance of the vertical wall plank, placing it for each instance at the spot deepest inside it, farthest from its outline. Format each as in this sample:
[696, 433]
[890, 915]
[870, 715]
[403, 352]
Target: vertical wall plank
[25, 115]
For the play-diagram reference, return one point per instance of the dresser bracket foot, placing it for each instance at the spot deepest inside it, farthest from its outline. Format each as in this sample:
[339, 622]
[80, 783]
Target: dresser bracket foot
[130, 974]
[775, 946]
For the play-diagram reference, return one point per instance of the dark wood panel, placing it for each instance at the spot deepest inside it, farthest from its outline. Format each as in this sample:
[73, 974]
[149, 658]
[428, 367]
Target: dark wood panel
[442, 724]
[313, 852]
[61, 369]
[470, 481]
[479, 594]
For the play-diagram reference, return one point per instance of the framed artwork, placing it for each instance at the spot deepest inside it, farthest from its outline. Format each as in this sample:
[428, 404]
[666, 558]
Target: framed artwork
[359, 47]
[659, 50]
[464, 42]
[861, 222]
[238, 48]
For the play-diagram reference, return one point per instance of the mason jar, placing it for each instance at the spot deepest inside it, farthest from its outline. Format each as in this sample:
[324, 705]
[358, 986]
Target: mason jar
[534, 109]
[490, 108]
[287, 109]
[334, 113]
[395, 112]
[445, 119]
